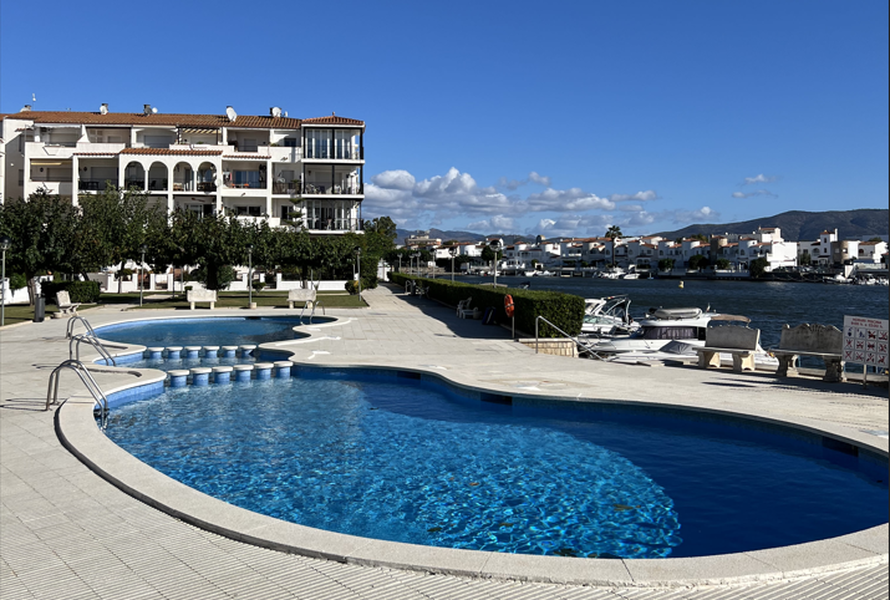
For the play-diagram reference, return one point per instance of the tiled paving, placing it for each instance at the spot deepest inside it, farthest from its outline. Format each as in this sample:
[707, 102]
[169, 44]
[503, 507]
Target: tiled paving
[67, 533]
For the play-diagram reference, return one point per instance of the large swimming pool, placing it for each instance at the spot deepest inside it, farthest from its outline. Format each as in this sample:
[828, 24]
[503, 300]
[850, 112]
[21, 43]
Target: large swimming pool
[396, 456]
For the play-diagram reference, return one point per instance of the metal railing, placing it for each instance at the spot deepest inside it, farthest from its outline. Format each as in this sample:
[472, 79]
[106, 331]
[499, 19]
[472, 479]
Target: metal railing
[315, 305]
[92, 340]
[73, 321]
[583, 346]
[52, 391]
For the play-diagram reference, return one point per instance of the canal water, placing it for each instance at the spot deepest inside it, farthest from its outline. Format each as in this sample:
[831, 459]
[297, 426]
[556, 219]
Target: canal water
[769, 304]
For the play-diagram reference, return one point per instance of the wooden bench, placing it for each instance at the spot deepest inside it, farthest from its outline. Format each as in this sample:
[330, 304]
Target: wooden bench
[307, 297]
[66, 307]
[201, 296]
[740, 342]
[820, 341]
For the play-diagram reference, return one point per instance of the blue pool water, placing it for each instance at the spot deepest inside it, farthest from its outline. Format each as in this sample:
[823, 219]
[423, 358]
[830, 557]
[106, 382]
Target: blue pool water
[204, 331]
[399, 458]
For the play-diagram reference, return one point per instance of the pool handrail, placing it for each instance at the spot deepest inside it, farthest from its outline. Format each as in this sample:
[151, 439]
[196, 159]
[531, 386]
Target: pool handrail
[52, 391]
[93, 341]
[73, 321]
[582, 345]
[315, 304]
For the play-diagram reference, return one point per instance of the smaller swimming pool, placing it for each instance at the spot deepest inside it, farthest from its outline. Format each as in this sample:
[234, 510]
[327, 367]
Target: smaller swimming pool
[206, 331]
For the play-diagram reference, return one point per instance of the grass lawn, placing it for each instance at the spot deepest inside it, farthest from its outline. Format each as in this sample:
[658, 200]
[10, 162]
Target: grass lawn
[18, 313]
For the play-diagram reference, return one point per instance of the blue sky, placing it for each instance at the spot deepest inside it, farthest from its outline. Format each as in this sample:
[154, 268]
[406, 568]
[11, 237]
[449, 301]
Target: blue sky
[552, 118]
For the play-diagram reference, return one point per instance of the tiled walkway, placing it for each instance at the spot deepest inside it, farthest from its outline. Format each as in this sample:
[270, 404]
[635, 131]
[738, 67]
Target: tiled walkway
[67, 533]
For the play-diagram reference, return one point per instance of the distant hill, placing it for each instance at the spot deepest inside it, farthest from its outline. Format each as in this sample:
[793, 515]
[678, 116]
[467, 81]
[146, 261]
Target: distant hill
[460, 236]
[797, 225]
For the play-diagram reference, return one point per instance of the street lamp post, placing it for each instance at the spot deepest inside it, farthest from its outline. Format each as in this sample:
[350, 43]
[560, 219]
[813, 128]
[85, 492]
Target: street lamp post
[249, 276]
[142, 274]
[495, 245]
[358, 259]
[4, 245]
[452, 263]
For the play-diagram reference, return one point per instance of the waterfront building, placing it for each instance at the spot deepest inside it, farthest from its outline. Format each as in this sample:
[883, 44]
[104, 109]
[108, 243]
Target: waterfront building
[306, 173]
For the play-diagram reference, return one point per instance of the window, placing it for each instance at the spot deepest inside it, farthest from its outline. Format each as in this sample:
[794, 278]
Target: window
[290, 142]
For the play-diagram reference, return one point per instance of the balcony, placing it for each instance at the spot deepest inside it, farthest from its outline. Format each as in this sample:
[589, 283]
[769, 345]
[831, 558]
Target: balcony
[92, 185]
[316, 153]
[318, 189]
[286, 187]
[206, 186]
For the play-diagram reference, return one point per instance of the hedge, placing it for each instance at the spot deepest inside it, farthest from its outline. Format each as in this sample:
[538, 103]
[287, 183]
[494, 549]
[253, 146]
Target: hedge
[566, 311]
[84, 292]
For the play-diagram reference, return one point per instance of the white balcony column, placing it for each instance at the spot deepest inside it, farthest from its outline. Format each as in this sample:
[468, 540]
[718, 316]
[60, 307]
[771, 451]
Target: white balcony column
[75, 181]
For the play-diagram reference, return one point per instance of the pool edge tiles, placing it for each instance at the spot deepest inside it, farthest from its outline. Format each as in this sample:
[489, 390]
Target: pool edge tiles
[80, 434]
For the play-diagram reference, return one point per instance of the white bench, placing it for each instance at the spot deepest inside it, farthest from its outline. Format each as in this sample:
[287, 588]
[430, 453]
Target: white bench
[63, 301]
[740, 342]
[821, 341]
[201, 296]
[307, 297]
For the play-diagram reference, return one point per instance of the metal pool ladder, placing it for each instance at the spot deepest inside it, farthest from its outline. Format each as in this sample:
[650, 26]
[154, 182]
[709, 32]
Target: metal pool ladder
[73, 321]
[52, 391]
[92, 340]
[315, 305]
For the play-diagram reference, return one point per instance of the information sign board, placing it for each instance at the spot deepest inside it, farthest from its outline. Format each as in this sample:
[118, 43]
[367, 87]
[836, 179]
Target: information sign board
[866, 341]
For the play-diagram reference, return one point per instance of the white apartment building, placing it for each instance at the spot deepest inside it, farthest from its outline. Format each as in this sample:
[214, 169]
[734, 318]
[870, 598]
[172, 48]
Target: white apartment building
[253, 167]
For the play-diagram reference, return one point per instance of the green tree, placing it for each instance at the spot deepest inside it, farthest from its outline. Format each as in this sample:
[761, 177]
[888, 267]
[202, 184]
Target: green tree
[698, 262]
[213, 242]
[723, 263]
[613, 232]
[117, 224]
[757, 267]
[666, 264]
[44, 232]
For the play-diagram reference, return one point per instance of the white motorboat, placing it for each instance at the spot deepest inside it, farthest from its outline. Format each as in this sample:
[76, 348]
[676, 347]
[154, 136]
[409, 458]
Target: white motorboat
[607, 316]
[671, 334]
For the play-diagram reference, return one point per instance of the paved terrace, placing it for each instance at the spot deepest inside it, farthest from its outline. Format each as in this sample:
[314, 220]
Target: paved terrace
[65, 532]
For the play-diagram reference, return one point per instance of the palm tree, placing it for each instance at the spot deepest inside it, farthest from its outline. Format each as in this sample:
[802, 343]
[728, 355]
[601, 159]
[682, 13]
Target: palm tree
[613, 232]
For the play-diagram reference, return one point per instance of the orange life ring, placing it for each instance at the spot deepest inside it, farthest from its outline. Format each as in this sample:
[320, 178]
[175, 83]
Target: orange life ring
[508, 305]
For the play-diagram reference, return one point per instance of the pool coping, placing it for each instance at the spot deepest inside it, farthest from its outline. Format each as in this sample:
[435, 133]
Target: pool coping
[76, 428]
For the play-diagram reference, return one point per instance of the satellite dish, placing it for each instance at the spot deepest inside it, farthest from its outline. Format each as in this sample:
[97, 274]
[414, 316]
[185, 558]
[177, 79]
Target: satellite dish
[276, 112]
[231, 114]
[154, 110]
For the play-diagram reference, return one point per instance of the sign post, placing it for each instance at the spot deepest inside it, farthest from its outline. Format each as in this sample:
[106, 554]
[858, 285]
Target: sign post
[866, 343]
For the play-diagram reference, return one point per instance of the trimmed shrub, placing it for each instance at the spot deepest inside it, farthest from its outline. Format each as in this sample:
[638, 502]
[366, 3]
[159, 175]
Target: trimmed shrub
[84, 292]
[566, 311]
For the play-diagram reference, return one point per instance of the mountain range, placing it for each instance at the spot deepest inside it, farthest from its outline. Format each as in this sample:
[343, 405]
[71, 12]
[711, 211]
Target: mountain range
[796, 225]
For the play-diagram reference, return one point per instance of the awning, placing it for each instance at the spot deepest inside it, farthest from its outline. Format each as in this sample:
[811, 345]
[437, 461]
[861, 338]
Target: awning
[57, 126]
[49, 163]
[198, 130]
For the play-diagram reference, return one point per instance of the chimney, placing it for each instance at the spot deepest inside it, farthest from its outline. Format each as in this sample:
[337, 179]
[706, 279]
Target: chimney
[146, 109]
[104, 108]
[26, 108]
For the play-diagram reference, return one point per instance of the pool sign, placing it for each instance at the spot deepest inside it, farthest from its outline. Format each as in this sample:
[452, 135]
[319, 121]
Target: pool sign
[865, 341]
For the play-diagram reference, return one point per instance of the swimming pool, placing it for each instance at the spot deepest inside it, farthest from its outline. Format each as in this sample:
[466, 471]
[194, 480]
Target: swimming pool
[205, 331]
[400, 456]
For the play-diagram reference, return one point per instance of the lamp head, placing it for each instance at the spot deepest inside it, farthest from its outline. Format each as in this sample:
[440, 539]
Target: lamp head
[5, 243]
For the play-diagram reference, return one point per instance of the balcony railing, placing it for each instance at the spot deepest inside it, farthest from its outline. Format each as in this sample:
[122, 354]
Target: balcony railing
[253, 185]
[136, 183]
[332, 153]
[286, 187]
[323, 189]
[157, 184]
[332, 224]
[92, 184]
[206, 186]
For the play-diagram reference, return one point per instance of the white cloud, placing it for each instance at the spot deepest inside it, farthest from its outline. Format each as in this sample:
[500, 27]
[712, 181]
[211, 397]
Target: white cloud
[760, 179]
[533, 177]
[756, 193]
[646, 196]
[397, 180]
[571, 200]
[630, 207]
[497, 223]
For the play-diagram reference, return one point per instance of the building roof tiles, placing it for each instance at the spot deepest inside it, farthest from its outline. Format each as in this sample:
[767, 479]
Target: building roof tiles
[158, 120]
[169, 152]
